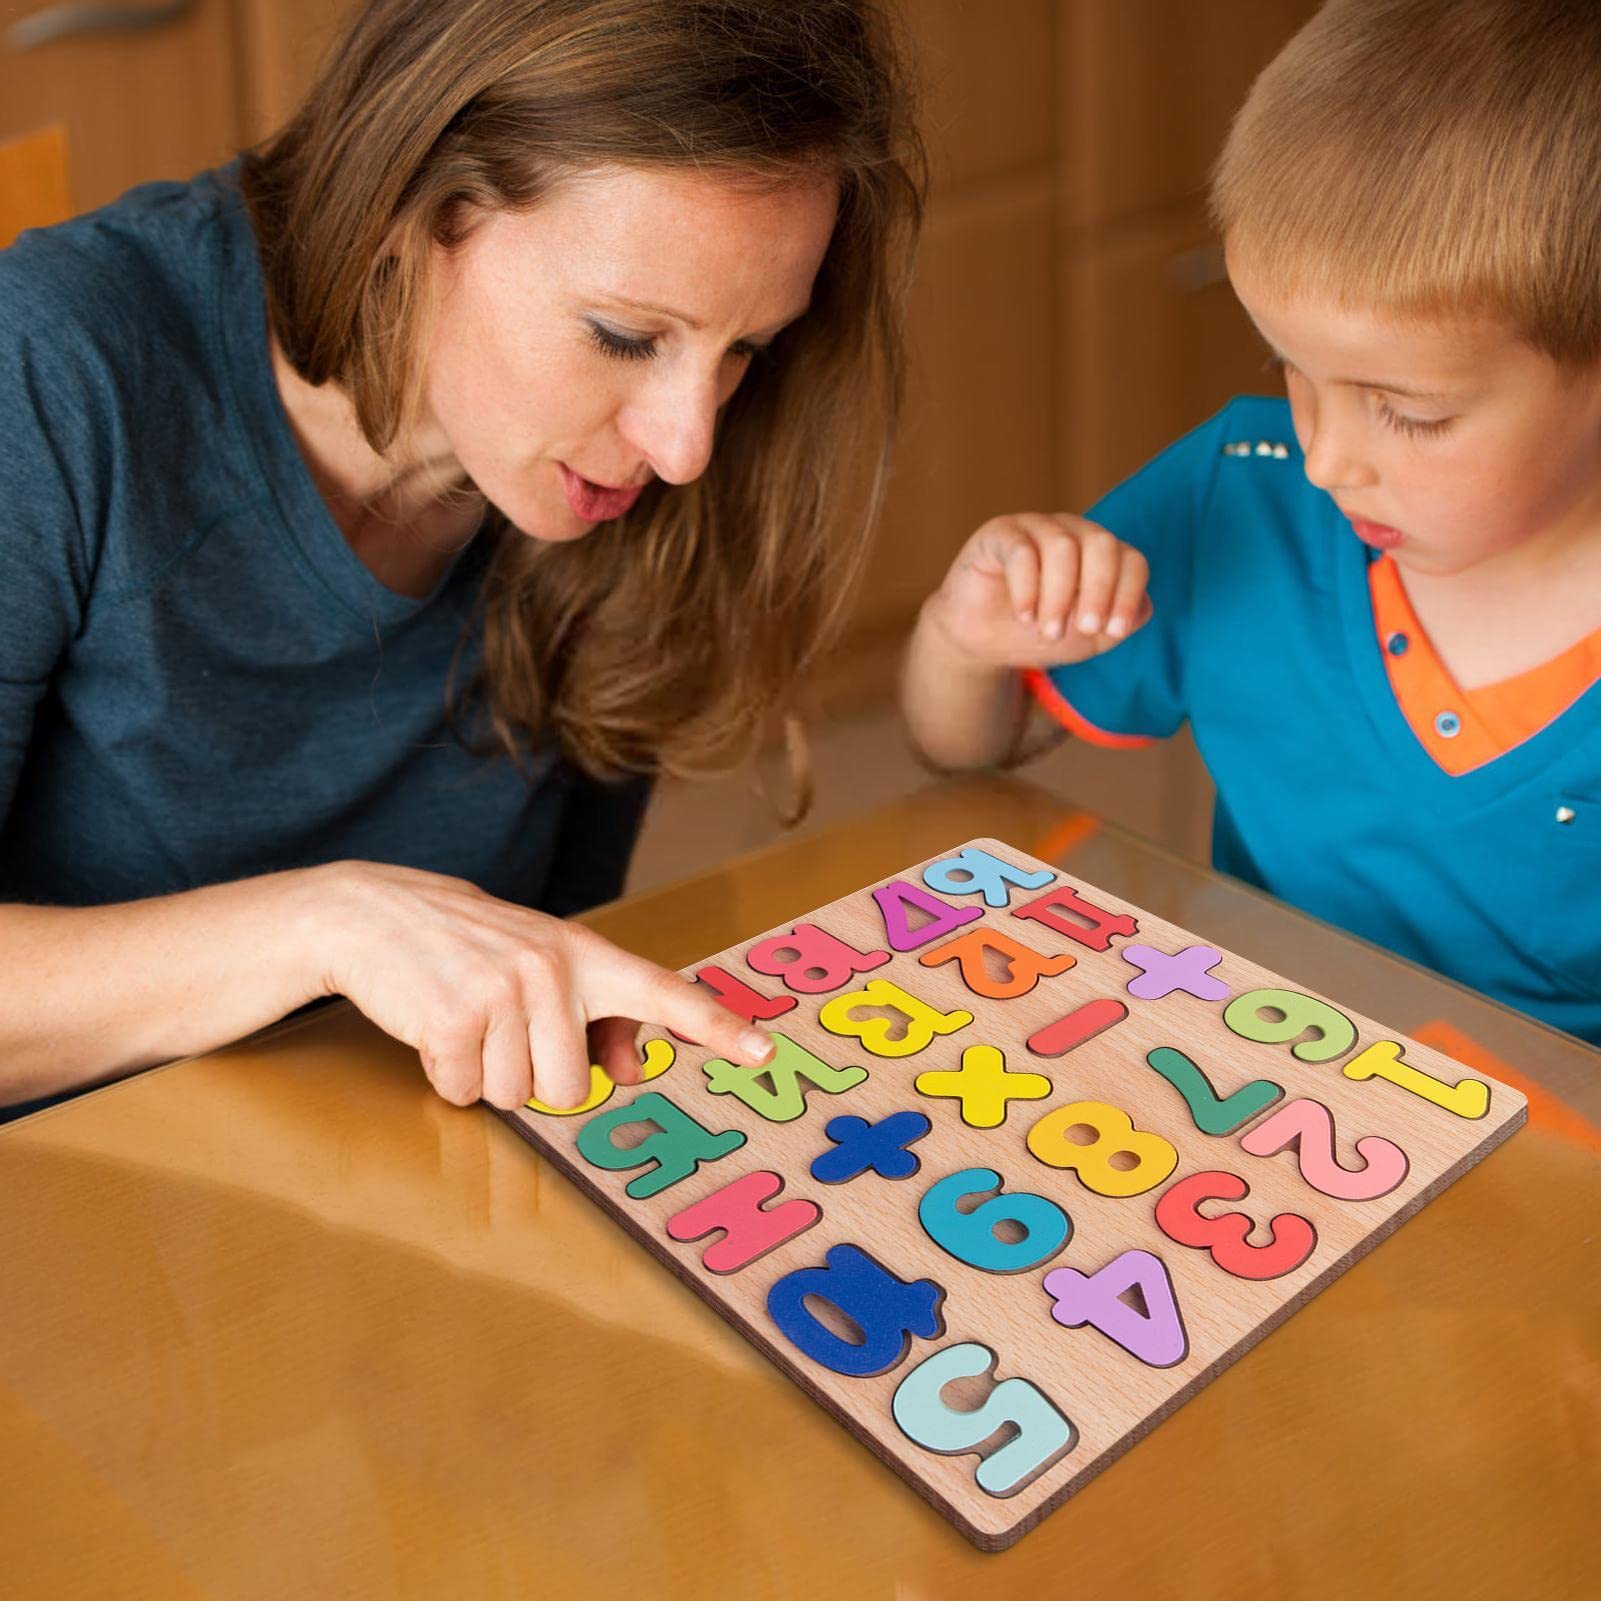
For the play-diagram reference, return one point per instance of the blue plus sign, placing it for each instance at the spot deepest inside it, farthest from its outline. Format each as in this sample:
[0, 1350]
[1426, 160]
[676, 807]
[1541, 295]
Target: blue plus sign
[880, 1147]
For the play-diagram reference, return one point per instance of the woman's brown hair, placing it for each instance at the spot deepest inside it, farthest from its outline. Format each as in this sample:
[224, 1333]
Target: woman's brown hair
[665, 641]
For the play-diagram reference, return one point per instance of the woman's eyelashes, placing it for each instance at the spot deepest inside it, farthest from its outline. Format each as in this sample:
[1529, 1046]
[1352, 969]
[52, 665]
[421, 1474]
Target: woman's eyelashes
[623, 346]
[636, 347]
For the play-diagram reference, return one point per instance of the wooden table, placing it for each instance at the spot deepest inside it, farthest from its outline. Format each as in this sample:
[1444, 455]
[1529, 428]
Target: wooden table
[280, 1323]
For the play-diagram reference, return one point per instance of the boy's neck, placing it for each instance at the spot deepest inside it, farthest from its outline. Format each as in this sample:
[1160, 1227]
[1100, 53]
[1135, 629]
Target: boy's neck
[1513, 612]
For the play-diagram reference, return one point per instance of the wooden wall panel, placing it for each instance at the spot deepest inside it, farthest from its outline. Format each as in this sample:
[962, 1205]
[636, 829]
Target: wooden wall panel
[979, 432]
[989, 74]
[137, 106]
[1152, 344]
[1147, 89]
[284, 42]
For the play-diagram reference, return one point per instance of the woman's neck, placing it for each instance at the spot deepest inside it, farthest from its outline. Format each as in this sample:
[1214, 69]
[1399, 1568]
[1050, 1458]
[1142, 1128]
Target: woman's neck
[405, 516]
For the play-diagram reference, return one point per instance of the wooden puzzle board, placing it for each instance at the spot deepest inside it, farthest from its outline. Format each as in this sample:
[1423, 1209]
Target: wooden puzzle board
[1002, 1303]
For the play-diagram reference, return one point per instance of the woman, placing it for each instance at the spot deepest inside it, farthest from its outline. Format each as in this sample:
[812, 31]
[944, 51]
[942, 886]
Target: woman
[365, 543]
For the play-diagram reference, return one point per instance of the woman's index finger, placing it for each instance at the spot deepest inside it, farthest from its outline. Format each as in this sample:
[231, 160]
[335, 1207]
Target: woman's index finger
[639, 988]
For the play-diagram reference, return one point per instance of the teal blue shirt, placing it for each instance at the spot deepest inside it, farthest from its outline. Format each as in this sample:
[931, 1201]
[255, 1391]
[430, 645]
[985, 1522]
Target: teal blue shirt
[199, 681]
[1263, 639]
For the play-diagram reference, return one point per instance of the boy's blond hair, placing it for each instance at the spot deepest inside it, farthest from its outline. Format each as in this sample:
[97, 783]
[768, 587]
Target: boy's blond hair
[1429, 157]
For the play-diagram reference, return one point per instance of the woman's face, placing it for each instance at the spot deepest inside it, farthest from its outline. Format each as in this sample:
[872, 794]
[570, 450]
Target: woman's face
[582, 348]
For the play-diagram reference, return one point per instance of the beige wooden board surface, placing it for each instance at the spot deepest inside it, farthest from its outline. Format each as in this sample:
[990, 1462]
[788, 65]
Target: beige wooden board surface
[1110, 1396]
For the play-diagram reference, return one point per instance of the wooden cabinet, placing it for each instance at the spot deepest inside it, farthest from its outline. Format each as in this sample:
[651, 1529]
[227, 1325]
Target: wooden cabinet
[283, 41]
[147, 88]
[1147, 91]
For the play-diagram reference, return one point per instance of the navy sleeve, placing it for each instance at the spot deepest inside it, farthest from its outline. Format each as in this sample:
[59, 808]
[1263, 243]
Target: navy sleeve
[47, 501]
[1136, 691]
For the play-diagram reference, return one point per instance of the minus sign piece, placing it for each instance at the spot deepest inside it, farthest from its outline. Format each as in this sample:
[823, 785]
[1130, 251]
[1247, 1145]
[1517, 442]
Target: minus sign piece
[1068, 1033]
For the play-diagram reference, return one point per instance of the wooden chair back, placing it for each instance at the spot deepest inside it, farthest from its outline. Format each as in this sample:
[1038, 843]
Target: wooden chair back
[33, 181]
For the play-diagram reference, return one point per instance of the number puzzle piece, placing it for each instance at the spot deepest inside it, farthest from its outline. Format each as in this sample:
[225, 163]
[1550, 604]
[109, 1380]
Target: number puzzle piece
[924, 1023]
[1333, 1032]
[1224, 1237]
[1042, 1435]
[863, 1147]
[896, 902]
[1468, 1097]
[972, 1237]
[1025, 967]
[1082, 1024]
[678, 1147]
[810, 960]
[750, 1228]
[976, 872]
[659, 1055]
[1155, 1336]
[1188, 970]
[1212, 1113]
[888, 1312]
[1152, 1158]
[773, 1090]
[983, 1084]
[1088, 924]
[1309, 1127]
[740, 999]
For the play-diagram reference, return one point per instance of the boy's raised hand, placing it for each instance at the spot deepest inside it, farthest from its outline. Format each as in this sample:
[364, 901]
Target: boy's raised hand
[1037, 589]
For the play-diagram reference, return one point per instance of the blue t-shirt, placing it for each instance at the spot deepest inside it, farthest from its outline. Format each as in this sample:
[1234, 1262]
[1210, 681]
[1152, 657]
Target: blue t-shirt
[1263, 639]
[199, 680]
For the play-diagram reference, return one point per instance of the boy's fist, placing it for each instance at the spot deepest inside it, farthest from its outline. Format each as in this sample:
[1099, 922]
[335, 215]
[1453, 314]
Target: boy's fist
[1040, 589]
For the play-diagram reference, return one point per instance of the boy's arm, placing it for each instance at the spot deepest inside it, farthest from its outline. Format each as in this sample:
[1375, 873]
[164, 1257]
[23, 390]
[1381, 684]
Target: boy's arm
[1025, 591]
[960, 713]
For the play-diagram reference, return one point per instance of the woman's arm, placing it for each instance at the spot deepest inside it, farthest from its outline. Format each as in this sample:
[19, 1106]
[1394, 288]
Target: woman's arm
[499, 1001]
[93, 992]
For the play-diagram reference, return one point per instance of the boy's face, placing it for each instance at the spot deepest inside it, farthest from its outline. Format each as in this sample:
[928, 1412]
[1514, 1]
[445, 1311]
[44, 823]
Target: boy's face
[1450, 443]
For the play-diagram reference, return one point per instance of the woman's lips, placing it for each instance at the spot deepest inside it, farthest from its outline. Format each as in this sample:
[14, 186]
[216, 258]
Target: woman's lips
[1380, 535]
[595, 503]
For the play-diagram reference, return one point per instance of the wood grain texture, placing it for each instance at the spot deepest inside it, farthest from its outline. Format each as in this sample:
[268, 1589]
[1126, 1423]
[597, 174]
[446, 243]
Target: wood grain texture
[1112, 1398]
[33, 181]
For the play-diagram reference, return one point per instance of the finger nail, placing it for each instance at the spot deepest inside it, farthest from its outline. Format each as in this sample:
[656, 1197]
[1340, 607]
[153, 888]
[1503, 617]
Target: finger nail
[1026, 615]
[757, 1046]
[1089, 623]
[1052, 629]
[1117, 628]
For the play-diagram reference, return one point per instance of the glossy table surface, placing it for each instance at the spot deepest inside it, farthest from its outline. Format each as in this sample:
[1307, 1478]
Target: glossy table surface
[280, 1323]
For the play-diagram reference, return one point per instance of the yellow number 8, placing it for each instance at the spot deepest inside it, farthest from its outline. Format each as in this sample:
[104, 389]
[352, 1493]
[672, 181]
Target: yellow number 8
[1153, 1157]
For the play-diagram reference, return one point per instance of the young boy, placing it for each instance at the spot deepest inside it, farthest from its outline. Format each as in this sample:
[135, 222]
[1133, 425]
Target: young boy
[1378, 605]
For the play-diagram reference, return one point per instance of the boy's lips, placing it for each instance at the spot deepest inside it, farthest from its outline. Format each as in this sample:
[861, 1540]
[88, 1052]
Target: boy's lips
[1380, 535]
[596, 503]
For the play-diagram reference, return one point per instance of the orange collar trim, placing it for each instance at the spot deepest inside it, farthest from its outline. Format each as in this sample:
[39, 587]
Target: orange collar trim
[1463, 729]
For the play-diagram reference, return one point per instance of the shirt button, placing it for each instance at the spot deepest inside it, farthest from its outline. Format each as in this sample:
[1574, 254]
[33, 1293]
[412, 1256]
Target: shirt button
[1448, 725]
[1396, 644]
[1566, 814]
